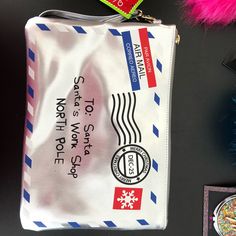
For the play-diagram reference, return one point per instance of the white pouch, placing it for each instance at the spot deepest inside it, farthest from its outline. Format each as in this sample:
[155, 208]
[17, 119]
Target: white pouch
[97, 132]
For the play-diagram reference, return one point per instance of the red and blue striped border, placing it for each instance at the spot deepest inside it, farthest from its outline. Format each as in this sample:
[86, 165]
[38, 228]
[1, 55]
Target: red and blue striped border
[31, 98]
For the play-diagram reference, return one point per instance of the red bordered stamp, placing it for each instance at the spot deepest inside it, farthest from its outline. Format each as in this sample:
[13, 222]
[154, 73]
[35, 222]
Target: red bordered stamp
[127, 198]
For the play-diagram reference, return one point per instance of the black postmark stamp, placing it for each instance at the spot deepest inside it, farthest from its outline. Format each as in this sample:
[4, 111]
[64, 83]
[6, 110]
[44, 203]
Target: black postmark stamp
[130, 164]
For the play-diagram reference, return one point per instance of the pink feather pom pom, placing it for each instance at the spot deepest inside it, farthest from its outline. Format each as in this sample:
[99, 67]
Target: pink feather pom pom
[211, 11]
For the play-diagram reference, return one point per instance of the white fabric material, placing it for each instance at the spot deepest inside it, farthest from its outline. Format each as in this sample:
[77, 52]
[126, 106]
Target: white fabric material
[94, 66]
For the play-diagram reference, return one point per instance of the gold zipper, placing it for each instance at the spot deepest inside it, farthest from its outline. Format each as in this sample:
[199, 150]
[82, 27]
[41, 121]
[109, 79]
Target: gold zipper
[141, 16]
[177, 40]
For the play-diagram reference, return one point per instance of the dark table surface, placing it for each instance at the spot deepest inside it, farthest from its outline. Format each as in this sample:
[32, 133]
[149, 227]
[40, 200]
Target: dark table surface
[201, 98]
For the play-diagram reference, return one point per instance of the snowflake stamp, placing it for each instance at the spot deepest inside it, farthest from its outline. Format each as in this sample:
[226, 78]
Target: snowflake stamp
[127, 198]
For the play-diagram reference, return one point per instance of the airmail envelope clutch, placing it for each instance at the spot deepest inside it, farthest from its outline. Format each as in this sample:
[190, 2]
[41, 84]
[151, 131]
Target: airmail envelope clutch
[97, 128]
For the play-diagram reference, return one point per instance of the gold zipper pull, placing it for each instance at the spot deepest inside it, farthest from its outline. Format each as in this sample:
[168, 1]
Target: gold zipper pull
[177, 40]
[150, 19]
